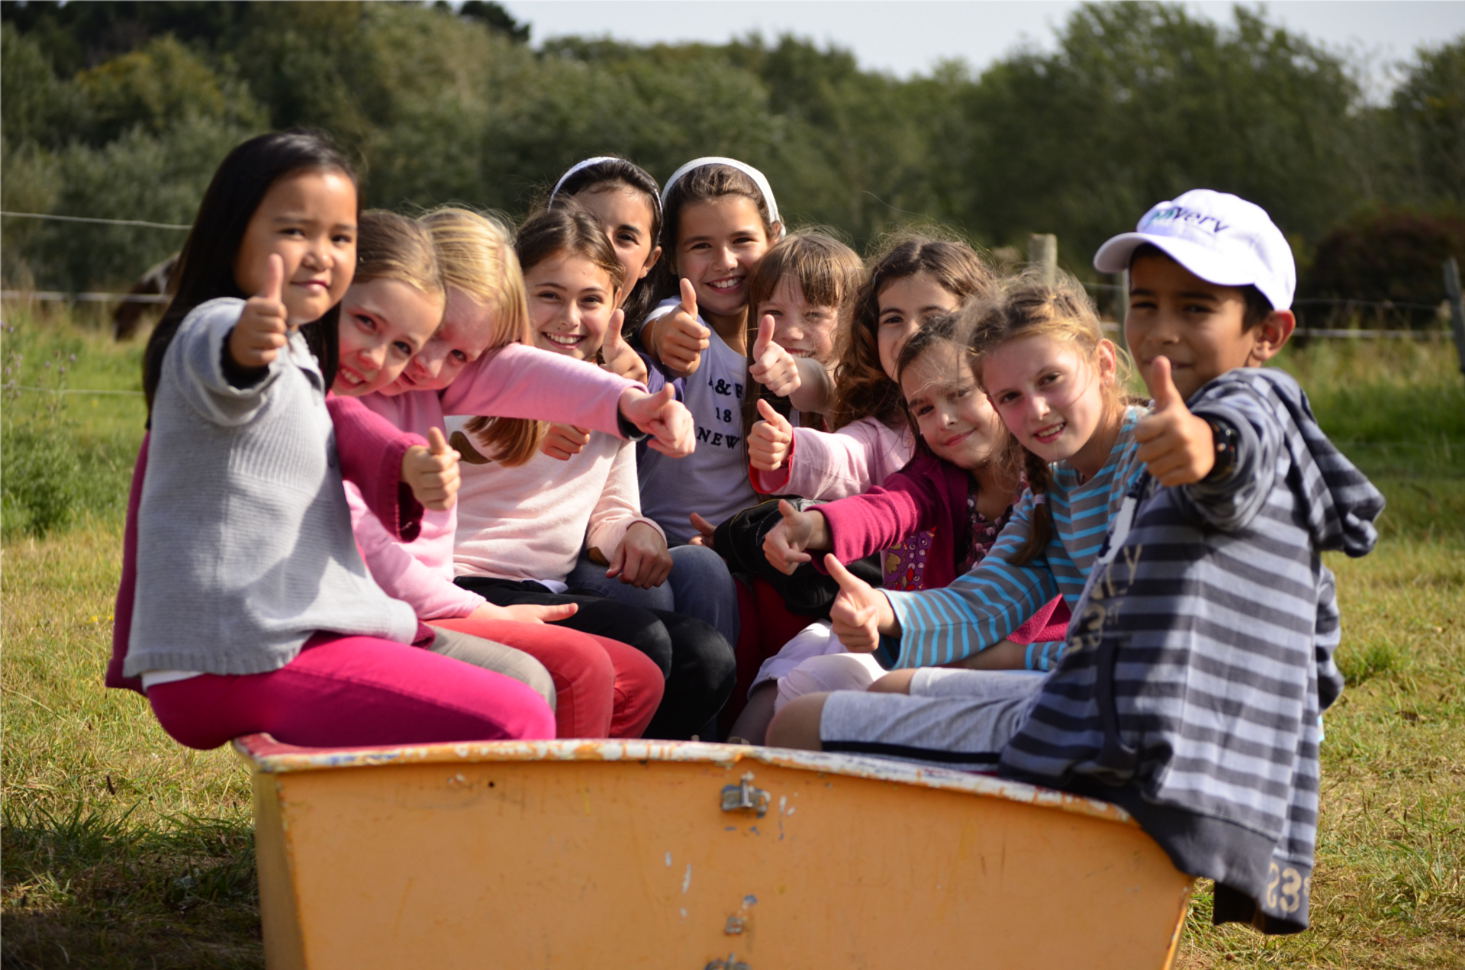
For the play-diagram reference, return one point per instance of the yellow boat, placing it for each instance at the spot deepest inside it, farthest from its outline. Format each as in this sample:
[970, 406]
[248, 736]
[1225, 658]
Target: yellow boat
[690, 856]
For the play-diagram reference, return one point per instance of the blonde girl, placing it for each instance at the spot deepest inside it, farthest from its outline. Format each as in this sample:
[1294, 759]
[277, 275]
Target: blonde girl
[1057, 383]
[521, 530]
[475, 362]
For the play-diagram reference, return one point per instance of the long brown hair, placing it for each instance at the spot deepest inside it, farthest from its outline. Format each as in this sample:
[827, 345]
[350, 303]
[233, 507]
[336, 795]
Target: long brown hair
[862, 388]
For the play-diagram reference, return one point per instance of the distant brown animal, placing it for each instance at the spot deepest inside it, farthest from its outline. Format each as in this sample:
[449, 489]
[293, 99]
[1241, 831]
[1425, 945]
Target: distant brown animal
[130, 313]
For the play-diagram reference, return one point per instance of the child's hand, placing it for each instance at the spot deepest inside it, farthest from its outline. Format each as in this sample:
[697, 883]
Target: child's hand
[771, 365]
[770, 440]
[432, 472]
[620, 358]
[663, 417]
[785, 543]
[706, 531]
[257, 338]
[525, 612]
[679, 338]
[564, 441]
[1176, 446]
[642, 559]
[859, 612]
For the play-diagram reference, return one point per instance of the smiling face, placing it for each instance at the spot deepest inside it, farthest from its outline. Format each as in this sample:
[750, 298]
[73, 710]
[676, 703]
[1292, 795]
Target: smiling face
[626, 215]
[1199, 326]
[459, 340]
[1052, 397]
[570, 304]
[309, 220]
[801, 329]
[904, 305]
[952, 414]
[383, 323]
[719, 243]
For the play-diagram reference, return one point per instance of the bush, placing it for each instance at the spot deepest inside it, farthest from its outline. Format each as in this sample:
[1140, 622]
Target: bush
[41, 479]
[1393, 257]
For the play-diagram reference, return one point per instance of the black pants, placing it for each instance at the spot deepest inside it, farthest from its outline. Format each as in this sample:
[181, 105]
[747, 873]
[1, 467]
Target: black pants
[696, 660]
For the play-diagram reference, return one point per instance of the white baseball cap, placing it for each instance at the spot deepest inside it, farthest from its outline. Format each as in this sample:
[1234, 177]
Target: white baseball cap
[1221, 238]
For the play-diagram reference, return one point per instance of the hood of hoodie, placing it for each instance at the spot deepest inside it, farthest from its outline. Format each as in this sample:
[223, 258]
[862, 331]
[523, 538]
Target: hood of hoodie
[1341, 503]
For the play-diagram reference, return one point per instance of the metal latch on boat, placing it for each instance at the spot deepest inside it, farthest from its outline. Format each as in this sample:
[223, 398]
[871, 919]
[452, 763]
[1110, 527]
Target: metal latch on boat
[744, 797]
[729, 964]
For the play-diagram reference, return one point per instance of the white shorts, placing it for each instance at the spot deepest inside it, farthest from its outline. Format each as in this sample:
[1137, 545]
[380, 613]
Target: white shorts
[952, 718]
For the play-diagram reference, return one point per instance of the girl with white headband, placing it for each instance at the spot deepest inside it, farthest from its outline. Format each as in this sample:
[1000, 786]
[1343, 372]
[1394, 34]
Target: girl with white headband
[719, 217]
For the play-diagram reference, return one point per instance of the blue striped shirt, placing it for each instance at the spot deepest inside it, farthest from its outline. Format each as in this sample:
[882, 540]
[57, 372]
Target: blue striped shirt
[984, 606]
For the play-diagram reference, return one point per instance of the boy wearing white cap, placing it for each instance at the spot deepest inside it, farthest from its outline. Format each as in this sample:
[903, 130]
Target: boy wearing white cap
[1200, 654]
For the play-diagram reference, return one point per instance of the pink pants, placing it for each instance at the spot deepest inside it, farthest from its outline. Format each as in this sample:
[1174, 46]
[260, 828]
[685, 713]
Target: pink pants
[603, 688]
[343, 691]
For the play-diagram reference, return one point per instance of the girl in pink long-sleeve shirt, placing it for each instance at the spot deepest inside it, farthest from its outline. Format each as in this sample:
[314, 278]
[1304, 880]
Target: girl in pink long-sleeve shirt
[470, 366]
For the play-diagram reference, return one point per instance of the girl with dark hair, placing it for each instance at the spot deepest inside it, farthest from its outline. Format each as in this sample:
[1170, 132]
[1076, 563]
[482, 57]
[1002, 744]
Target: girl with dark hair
[244, 605]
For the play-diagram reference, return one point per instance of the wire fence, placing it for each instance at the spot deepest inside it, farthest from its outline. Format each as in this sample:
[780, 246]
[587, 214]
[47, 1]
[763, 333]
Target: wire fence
[1328, 308]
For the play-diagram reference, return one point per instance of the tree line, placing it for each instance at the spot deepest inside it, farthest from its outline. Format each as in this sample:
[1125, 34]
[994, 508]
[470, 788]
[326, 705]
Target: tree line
[123, 110]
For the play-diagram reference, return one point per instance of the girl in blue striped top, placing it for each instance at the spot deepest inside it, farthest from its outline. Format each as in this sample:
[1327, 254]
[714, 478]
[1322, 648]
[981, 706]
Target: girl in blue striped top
[1058, 385]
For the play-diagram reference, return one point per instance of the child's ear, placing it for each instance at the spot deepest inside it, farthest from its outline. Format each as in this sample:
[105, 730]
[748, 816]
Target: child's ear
[1272, 334]
[1106, 356]
[650, 262]
[776, 234]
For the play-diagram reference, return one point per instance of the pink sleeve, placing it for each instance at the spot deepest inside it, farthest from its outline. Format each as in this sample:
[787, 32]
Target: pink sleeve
[619, 506]
[881, 517]
[430, 592]
[127, 587]
[371, 449]
[515, 381]
[842, 463]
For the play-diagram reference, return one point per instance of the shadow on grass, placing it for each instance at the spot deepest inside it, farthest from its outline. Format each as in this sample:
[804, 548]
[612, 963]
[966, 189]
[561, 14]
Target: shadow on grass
[90, 889]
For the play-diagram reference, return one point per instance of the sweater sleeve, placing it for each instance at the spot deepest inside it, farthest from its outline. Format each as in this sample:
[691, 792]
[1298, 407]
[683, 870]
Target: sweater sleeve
[1230, 503]
[371, 450]
[619, 505]
[517, 381]
[195, 361]
[830, 465]
[939, 626]
[401, 575]
[880, 518]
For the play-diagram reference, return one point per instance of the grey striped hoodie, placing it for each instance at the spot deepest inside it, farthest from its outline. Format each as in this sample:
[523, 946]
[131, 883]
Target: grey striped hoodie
[1201, 656]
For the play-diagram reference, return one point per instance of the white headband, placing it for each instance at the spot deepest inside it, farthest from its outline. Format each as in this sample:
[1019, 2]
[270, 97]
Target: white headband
[579, 166]
[759, 179]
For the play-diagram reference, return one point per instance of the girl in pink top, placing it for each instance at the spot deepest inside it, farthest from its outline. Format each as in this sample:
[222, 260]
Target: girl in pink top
[521, 529]
[470, 366]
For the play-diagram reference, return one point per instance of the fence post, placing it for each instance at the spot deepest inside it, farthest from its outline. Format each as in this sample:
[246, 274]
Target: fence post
[1043, 253]
[1457, 311]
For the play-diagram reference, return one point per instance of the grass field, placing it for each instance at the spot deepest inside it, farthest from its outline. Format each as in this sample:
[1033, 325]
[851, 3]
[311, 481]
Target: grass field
[122, 849]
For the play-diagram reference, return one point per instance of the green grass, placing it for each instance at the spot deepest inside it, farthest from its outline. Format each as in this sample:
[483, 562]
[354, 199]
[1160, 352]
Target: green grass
[122, 849]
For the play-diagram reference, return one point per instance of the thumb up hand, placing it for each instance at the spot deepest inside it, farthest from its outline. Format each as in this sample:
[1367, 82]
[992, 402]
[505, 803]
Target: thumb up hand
[771, 365]
[860, 612]
[432, 472]
[679, 339]
[1176, 446]
[770, 439]
[263, 325]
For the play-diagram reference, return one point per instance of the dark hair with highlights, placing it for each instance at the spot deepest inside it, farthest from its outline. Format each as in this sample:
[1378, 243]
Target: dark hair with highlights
[862, 387]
